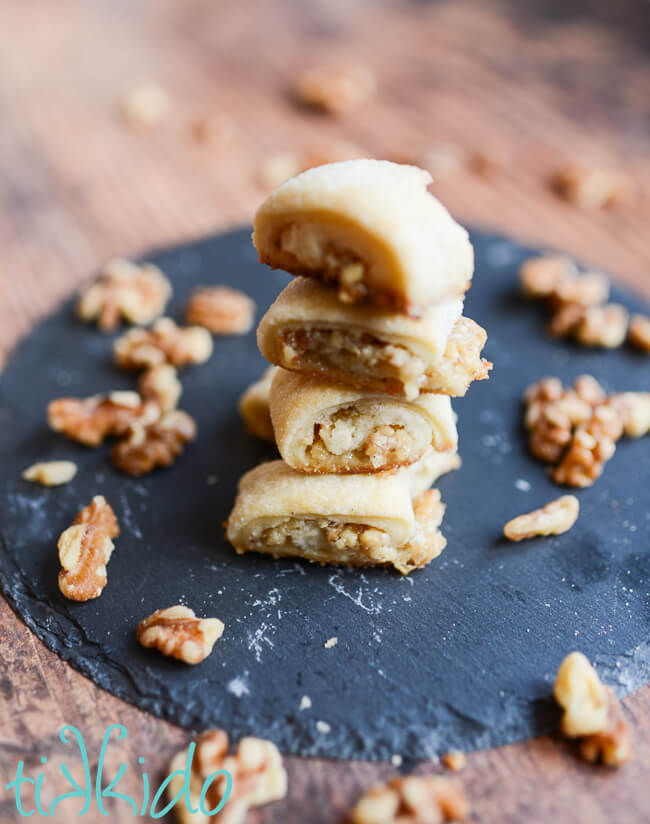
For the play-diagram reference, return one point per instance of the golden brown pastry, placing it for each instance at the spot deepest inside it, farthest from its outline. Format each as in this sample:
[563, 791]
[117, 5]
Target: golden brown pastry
[308, 330]
[355, 520]
[254, 406]
[323, 427]
[371, 228]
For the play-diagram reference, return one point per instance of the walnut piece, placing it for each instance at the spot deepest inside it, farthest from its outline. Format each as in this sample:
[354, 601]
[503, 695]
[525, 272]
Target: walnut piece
[85, 549]
[136, 292]
[591, 712]
[604, 326]
[153, 443]
[91, 420]
[160, 385]
[145, 104]
[553, 519]
[254, 407]
[256, 769]
[592, 188]
[51, 473]
[336, 89]
[634, 409]
[639, 332]
[540, 276]
[177, 632]
[412, 800]
[164, 342]
[221, 310]
[455, 760]
[591, 446]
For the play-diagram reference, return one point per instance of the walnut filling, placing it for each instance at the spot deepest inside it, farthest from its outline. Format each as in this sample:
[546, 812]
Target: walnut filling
[387, 367]
[314, 254]
[354, 441]
[354, 353]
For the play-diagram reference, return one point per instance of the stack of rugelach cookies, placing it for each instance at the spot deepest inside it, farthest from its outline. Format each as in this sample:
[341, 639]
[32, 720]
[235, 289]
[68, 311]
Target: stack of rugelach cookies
[368, 343]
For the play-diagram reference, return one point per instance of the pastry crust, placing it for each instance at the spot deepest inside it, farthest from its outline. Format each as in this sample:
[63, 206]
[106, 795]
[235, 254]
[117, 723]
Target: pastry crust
[308, 330]
[254, 406]
[372, 228]
[429, 468]
[355, 520]
[322, 427]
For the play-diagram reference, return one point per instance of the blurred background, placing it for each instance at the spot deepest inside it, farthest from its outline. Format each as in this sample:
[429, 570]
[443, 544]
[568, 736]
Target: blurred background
[131, 123]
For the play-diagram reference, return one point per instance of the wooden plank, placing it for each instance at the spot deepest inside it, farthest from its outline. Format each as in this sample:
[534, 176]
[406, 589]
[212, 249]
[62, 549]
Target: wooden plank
[76, 186]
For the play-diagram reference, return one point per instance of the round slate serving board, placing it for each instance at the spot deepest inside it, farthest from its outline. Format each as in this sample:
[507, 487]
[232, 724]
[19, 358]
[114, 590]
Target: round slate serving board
[461, 654]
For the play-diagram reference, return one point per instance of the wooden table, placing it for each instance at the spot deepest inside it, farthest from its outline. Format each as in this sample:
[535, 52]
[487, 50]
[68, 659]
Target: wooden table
[77, 186]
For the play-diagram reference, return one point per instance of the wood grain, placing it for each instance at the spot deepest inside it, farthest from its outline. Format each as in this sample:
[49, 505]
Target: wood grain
[543, 83]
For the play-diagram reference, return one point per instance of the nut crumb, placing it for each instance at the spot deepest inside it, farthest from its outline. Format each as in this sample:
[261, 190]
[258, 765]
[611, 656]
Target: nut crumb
[454, 760]
[51, 473]
[331, 642]
[591, 712]
[412, 800]
[336, 89]
[258, 777]
[164, 342]
[639, 332]
[160, 385]
[604, 326]
[154, 443]
[178, 633]
[145, 104]
[396, 760]
[305, 702]
[592, 188]
[85, 549]
[553, 519]
[323, 727]
[91, 420]
[135, 292]
[221, 310]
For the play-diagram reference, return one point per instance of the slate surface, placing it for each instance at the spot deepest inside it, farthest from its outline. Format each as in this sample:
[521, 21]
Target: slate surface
[461, 654]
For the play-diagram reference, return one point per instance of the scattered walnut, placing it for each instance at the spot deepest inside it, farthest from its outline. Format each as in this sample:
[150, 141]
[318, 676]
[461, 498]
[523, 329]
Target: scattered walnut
[604, 326]
[91, 420]
[258, 777]
[454, 760]
[585, 289]
[84, 550]
[221, 310]
[336, 89]
[160, 385]
[254, 406]
[551, 414]
[591, 446]
[634, 409]
[136, 292]
[177, 632]
[553, 519]
[145, 105]
[588, 389]
[591, 712]
[412, 800]
[591, 188]
[51, 473]
[565, 320]
[164, 342]
[639, 332]
[540, 276]
[153, 443]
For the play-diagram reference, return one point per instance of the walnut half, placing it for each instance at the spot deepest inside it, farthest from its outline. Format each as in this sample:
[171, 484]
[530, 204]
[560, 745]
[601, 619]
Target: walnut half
[221, 310]
[153, 443]
[553, 519]
[258, 777]
[91, 420]
[85, 549]
[177, 632]
[412, 800]
[164, 342]
[591, 712]
[136, 292]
